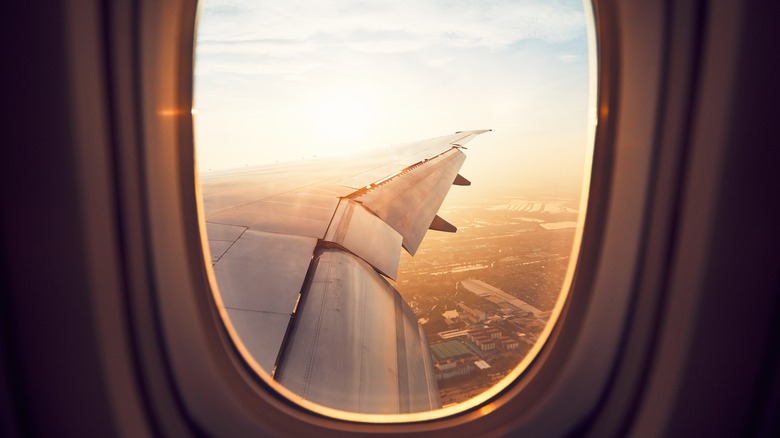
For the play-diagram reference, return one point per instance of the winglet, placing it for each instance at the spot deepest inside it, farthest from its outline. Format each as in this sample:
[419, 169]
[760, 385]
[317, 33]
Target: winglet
[439, 224]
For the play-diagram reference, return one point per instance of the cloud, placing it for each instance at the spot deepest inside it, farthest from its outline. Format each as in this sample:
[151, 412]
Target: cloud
[294, 38]
[388, 46]
[375, 26]
[257, 48]
[568, 57]
[285, 70]
[435, 62]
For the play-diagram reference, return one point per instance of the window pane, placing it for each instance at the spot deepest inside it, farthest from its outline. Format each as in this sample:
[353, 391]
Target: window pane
[294, 101]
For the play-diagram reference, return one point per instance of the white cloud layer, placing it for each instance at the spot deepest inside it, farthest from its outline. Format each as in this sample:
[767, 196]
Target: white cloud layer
[277, 27]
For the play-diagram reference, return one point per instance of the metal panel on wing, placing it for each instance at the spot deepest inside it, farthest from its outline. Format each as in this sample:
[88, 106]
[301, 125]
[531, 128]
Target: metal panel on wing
[226, 190]
[221, 238]
[297, 216]
[355, 345]
[260, 279]
[261, 333]
[264, 271]
[224, 233]
[371, 176]
[217, 248]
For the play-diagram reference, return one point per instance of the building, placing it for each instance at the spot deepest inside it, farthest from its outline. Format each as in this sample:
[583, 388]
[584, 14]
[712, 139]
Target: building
[451, 359]
[501, 298]
[491, 338]
[471, 315]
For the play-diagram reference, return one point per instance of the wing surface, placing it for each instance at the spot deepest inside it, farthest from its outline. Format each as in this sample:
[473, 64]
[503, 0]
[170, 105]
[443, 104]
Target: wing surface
[302, 253]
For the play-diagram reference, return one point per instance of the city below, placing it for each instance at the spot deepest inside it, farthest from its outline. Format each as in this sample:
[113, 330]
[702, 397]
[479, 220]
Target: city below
[484, 294]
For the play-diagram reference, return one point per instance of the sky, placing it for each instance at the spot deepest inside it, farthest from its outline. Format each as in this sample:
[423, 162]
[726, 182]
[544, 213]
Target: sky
[288, 80]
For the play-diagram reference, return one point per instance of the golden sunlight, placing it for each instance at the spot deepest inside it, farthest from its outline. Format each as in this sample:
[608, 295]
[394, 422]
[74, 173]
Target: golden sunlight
[342, 116]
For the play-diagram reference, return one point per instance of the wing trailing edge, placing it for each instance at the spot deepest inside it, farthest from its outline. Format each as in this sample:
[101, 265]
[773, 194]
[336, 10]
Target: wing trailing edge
[409, 201]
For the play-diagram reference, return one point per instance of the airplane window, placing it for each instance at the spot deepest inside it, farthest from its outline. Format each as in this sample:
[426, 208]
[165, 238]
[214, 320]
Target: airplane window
[392, 192]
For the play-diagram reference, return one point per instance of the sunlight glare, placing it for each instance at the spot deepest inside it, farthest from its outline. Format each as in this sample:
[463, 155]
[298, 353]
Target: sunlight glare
[342, 117]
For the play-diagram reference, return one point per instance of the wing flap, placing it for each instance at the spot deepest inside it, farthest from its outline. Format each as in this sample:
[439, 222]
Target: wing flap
[367, 236]
[409, 201]
[355, 345]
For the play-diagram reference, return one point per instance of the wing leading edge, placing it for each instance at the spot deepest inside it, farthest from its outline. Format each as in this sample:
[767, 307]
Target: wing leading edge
[301, 255]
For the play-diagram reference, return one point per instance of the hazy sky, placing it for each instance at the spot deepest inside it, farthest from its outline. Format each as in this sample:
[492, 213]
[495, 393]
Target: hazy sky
[285, 80]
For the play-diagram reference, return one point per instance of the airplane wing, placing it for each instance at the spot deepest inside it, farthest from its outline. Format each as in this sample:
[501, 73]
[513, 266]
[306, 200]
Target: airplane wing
[301, 253]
